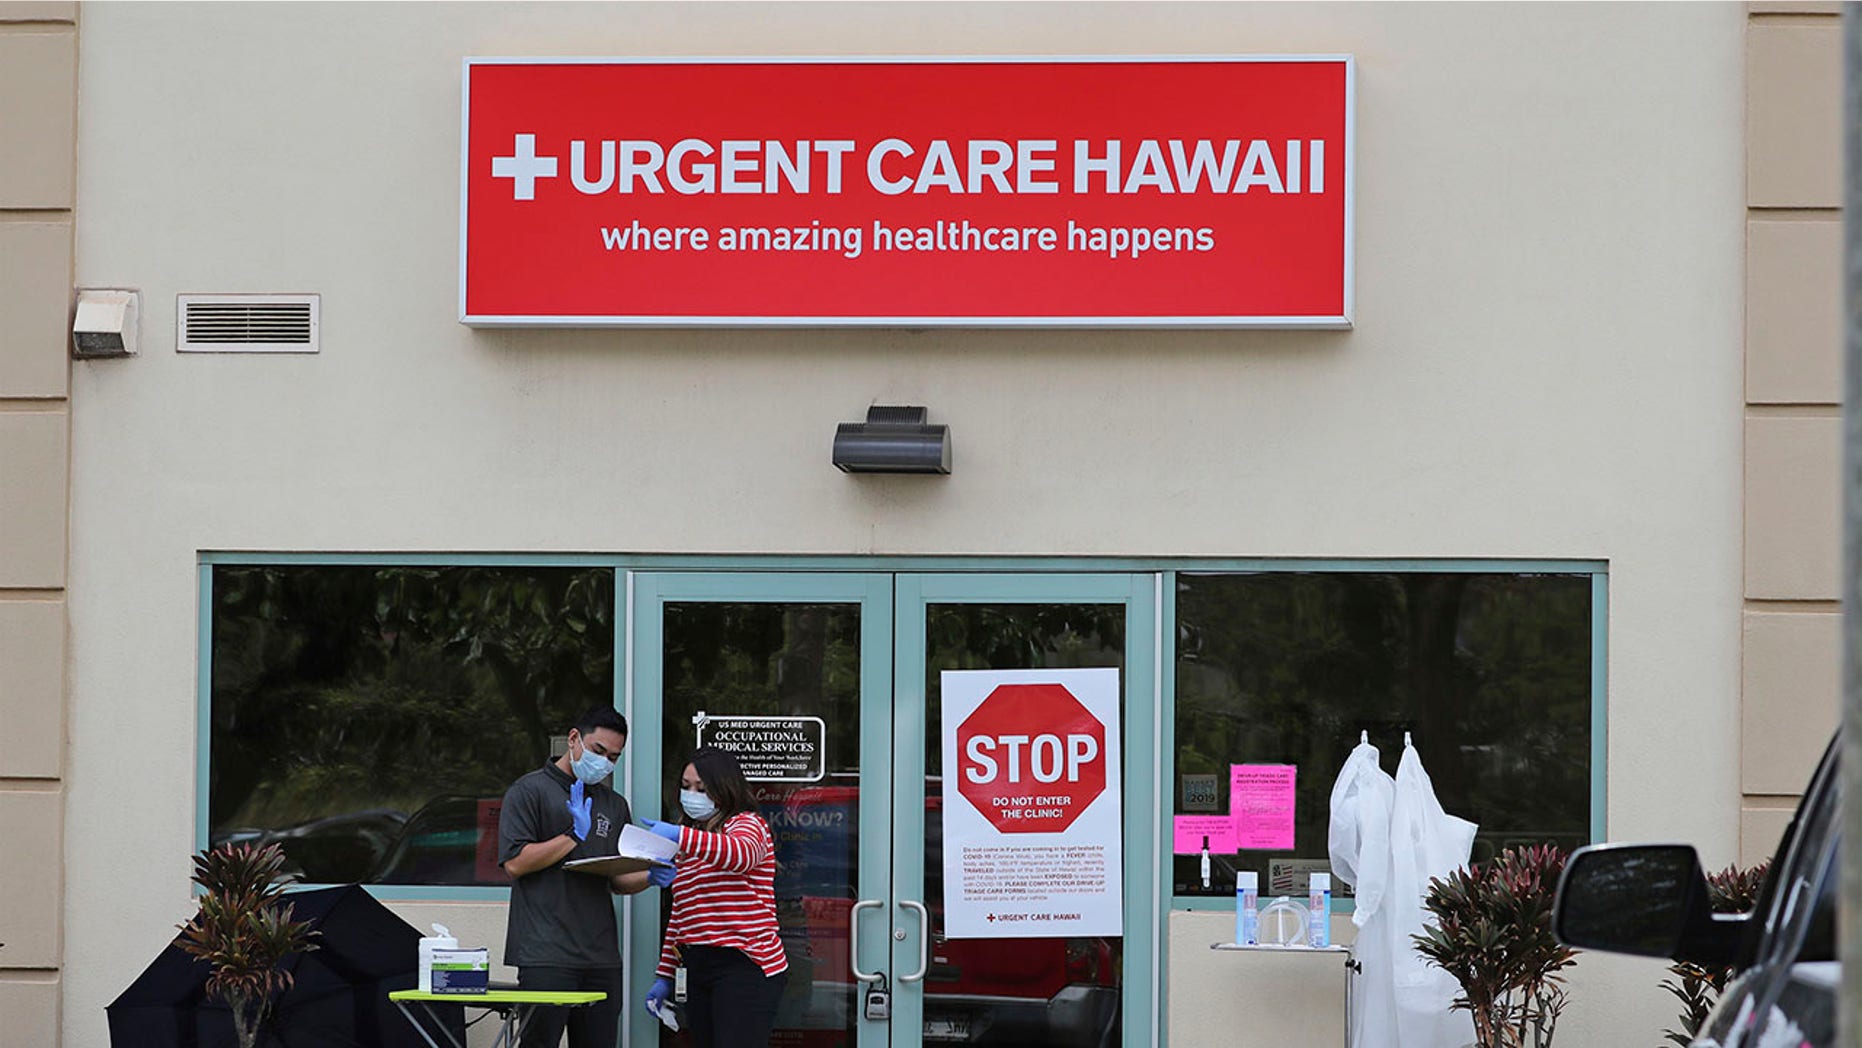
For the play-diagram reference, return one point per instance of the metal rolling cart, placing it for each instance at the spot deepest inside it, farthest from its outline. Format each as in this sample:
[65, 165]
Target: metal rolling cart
[1352, 967]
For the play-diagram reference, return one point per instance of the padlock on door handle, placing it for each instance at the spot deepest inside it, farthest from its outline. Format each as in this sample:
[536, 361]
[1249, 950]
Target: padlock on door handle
[879, 1001]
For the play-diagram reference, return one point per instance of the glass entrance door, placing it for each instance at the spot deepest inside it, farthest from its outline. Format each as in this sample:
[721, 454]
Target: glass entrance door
[794, 671]
[1016, 988]
[832, 681]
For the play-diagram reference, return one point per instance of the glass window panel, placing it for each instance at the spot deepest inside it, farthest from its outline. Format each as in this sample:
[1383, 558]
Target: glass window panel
[1490, 672]
[368, 719]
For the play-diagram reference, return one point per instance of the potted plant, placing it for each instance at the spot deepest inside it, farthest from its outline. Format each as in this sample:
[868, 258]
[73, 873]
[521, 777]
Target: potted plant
[1493, 933]
[244, 931]
[1732, 890]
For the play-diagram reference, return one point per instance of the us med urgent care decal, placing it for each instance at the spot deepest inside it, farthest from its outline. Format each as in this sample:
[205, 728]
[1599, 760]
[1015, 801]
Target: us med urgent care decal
[1032, 803]
[1202, 192]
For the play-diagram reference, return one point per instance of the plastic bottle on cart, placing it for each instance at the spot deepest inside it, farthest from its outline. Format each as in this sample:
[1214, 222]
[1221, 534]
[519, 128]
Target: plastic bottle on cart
[1247, 908]
[1319, 911]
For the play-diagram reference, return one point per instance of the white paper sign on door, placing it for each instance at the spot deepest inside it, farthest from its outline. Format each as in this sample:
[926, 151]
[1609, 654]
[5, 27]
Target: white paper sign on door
[1032, 803]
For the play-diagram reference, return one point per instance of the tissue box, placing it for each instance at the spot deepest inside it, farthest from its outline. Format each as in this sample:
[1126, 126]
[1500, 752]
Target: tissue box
[461, 971]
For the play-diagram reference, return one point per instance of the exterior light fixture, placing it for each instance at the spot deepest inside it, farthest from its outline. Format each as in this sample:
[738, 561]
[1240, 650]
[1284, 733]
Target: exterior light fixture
[892, 440]
[105, 325]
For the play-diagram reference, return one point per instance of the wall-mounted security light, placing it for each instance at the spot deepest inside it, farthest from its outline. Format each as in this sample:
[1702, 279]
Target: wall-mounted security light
[105, 324]
[892, 440]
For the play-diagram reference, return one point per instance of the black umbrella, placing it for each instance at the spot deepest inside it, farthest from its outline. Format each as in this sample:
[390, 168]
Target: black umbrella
[338, 999]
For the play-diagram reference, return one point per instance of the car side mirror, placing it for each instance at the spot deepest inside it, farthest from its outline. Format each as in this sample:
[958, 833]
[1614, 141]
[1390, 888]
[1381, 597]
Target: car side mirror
[1649, 900]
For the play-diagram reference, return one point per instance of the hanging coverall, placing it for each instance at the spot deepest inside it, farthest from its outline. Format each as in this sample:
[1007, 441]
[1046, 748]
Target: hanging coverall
[1388, 838]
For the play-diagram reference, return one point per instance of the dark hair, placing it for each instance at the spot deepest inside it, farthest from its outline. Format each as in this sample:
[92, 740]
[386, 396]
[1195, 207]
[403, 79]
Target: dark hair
[724, 783]
[601, 717]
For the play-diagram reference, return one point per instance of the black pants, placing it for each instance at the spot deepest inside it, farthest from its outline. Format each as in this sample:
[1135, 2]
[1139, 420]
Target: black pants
[595, 1026]
[729, 1002]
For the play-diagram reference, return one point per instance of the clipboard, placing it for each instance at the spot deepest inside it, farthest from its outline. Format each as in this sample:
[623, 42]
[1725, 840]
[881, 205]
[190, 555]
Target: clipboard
[639, 850]
[610, 865]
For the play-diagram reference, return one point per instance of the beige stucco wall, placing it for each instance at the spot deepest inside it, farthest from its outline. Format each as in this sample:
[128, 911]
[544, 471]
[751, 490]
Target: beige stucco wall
[1547, 363]
[1237, 999]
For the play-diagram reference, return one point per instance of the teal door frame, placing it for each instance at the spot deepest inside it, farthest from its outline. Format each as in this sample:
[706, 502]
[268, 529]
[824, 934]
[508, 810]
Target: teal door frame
[893, 732]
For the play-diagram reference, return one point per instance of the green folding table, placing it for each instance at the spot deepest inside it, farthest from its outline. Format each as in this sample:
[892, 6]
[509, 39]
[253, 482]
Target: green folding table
[514, 1006]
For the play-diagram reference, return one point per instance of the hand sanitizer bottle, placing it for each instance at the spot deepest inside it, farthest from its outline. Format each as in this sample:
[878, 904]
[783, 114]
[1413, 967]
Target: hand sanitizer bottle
[1319, 909]
[1205, 862]
[1247, 912]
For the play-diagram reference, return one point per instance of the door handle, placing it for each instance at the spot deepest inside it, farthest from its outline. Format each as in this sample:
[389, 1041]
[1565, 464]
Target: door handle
[924, 939]
[853, 940]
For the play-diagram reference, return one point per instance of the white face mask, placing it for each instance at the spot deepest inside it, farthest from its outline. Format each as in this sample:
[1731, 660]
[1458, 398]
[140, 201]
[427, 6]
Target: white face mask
[592, 767]
[697, 805]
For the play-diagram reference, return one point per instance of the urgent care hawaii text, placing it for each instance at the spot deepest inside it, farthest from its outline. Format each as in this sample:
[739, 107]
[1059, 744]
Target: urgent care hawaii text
[975, 166]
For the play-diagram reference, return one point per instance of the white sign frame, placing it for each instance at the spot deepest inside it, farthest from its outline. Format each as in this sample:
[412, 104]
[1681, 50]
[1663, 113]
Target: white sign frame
[1343, 320]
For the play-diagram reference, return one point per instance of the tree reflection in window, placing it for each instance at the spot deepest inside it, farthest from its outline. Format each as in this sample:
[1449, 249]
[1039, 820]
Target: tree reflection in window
[1490, 672]
[369, 718]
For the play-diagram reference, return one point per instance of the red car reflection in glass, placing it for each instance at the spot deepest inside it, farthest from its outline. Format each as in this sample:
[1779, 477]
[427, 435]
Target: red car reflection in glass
[1045, 992]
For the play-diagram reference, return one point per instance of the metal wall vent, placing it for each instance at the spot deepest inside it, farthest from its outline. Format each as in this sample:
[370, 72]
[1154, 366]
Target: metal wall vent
[247, 324]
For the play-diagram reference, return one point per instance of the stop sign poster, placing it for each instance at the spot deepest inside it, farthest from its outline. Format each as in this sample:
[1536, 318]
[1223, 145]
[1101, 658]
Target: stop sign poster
[1182, 191]
[1032, 812]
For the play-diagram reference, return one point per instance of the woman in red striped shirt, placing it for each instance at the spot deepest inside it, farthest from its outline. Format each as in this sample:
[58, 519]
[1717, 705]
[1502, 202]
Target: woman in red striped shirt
[723, 924]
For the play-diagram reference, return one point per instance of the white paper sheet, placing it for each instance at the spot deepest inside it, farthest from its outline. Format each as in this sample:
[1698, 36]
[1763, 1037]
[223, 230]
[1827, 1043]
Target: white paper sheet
[640, 843]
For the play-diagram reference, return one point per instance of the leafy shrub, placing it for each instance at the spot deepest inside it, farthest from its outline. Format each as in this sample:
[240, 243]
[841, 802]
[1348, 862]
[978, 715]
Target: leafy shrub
[1493, 933]
[244, 930]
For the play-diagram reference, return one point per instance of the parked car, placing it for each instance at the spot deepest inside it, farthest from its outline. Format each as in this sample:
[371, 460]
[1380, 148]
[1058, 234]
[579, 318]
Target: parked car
[1651, 900]
[452, 839]
[336, 849]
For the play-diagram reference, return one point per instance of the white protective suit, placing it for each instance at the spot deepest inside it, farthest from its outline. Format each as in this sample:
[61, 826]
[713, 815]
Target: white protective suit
[1358, 840]
[1388, 838]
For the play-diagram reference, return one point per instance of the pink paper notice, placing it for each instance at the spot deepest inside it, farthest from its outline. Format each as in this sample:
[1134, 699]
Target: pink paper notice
[1260, 800]
[1191, 830]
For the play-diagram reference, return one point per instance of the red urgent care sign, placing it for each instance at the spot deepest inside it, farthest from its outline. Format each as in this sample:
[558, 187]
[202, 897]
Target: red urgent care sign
[1203, 192]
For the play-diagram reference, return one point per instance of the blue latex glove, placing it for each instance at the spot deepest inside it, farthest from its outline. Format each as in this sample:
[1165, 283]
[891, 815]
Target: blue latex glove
[668, 830]
[661, 876]
[657, 994]
[580, 806]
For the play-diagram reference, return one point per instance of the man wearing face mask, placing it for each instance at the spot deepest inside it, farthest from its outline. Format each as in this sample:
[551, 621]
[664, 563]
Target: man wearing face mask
[560, 934]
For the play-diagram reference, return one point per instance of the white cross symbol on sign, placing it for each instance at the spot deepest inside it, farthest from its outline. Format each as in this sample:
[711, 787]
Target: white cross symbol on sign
[524, 168]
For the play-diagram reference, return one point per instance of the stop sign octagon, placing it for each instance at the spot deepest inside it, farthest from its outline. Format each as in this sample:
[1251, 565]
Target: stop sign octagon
[1031, 758]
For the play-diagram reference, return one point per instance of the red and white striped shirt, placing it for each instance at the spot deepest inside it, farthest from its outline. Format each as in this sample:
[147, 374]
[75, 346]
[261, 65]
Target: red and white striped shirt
[725, 895]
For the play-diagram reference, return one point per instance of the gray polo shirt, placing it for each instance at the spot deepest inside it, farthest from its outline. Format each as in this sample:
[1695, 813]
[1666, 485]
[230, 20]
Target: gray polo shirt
[558, 918]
